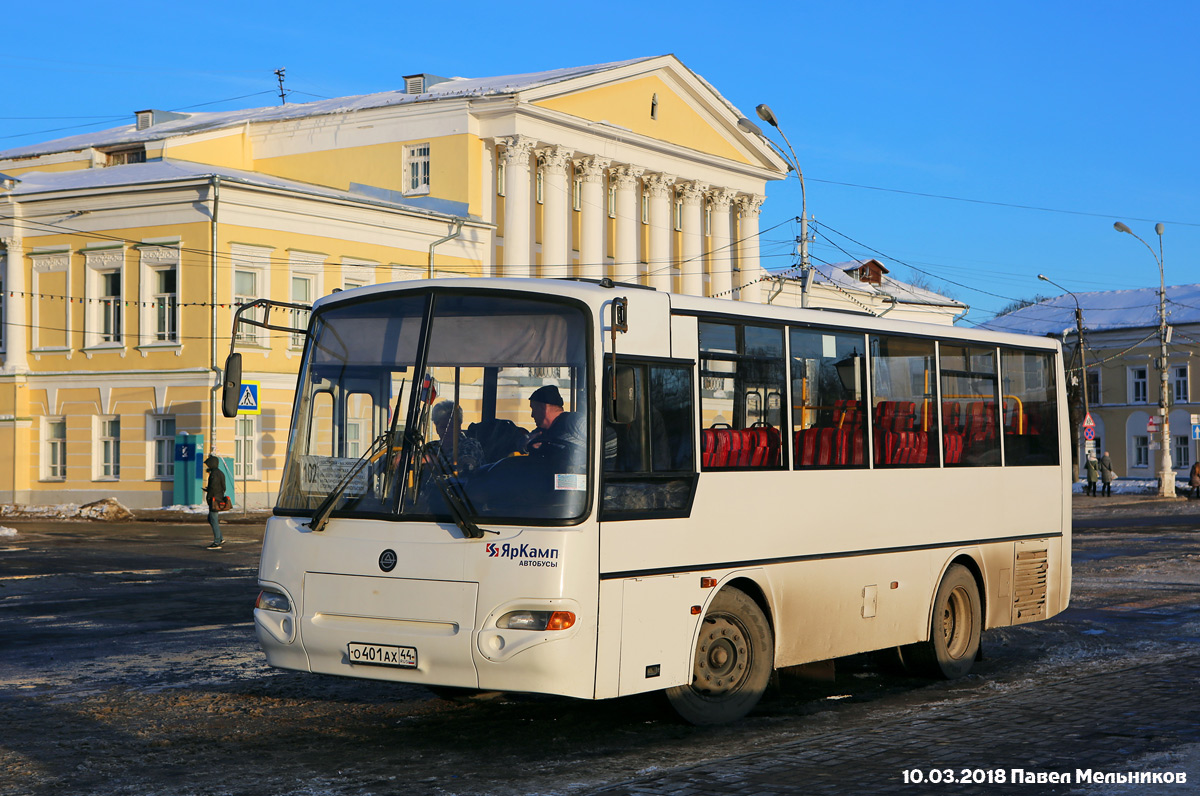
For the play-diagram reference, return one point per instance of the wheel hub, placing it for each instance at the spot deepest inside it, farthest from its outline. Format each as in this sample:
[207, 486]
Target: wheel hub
[722, 657]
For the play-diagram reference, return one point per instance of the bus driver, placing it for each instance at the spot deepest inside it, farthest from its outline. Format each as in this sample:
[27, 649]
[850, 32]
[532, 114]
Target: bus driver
[558, 433]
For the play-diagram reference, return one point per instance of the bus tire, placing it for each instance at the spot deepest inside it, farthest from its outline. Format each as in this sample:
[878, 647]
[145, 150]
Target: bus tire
[954, 632]
[735, 655]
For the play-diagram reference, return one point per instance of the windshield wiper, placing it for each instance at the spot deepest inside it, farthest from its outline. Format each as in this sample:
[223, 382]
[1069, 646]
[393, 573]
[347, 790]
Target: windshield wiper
[459, 505]
[321, 516]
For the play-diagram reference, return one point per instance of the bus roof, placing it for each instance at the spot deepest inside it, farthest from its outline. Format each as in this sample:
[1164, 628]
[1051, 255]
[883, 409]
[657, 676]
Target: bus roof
[594, 293]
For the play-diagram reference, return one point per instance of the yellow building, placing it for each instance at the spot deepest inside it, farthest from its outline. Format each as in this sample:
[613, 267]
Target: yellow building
[125, 252]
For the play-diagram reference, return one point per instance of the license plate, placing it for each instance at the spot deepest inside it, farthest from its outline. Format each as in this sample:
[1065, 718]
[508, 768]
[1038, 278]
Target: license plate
[383, 655]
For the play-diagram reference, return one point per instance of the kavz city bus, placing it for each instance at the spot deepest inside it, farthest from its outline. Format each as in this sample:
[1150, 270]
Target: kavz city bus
[595, 490]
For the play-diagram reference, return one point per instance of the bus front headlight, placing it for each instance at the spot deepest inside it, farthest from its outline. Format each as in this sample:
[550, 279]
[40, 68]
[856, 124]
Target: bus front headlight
[537, 620]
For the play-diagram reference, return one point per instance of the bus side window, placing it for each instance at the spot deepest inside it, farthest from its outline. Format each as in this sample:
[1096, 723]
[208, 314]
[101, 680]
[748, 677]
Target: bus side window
[903, 385]
[1030, 408]
[649, 463]
[741, 396]
[829, 392]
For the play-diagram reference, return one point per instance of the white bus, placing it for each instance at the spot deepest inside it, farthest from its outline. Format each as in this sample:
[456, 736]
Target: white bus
[596, 490]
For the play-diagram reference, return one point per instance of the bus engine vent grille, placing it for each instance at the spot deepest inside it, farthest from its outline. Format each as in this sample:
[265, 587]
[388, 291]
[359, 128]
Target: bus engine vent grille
[1029, 586]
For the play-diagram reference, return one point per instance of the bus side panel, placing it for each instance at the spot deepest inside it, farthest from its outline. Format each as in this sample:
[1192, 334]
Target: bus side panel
[848, 605]
[657, 631]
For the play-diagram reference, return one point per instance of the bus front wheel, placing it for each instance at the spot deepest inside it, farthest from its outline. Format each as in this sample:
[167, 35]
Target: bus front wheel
[954, 633]
[733, 662]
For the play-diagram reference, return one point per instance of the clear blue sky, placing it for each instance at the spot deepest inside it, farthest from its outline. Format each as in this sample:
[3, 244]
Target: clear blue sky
[1087, 111]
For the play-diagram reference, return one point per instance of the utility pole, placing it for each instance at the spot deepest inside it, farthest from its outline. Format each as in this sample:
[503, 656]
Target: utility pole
[282, 94]
[1166, 475]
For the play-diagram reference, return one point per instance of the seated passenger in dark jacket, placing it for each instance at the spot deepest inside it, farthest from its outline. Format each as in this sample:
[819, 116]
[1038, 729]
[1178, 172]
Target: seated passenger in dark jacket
[560, 435]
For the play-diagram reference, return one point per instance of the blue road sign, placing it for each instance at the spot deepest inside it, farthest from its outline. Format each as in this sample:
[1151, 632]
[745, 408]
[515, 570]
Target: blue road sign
[1195, 432]
[248, 400]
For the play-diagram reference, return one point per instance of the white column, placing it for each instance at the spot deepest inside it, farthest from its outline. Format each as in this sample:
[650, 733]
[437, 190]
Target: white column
[720, 261]
[749, 208]
[625, 265]
[16, 342]
[518, 253]
[556, 196]
[594, 210]
[691, 263]
[660, 268]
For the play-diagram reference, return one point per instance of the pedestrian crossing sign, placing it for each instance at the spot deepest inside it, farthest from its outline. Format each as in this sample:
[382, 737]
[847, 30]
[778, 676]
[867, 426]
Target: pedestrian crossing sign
[248, 400]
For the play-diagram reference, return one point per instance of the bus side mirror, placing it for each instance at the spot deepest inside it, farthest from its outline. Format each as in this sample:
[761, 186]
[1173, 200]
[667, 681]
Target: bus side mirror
[232, 387]
[622, 403]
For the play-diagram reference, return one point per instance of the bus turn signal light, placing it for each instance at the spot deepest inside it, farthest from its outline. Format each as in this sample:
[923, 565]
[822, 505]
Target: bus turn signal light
[708, 583]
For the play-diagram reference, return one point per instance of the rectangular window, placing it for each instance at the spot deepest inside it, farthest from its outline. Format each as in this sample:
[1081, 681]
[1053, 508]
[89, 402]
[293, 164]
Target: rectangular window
[55, 449]
[1179, 383]
[741, 396]
[677, 215]
[903, 402]
[164, 447]
[110, 307]
[1138, 386]
[539, 186]
[612, 200]
[165, 301]
[1183, 452]
[1093, 387]
[108, 448]
[1030, 408]
[970, 427]
[649, 463]
[645, 207]
[245, 290]
[244, 448]
[301, 294]
[829, 398]
[416, 169]
[1141, 451]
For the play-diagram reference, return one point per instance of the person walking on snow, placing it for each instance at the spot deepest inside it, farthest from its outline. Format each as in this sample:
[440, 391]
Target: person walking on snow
[213, 492]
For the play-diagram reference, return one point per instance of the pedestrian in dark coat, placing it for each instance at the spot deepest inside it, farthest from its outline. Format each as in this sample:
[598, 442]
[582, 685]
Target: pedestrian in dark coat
[213, 492]
[1194, 481]
[1106, 473]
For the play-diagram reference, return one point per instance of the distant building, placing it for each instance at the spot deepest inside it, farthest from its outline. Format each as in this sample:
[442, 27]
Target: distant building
[124, 253]
[1121, 340]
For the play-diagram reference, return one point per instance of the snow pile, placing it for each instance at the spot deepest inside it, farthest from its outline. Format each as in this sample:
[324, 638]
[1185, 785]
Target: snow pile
[7, 531]
[1129, 486]
[106, 510]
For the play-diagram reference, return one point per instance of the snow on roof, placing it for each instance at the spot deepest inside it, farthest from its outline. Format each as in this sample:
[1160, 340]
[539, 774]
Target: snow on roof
[167, 170]
[845, 276]
[1102, 310]
[198, 122]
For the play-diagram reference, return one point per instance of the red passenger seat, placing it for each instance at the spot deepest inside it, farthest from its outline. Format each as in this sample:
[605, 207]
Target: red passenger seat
[739, 447]
[952, 447]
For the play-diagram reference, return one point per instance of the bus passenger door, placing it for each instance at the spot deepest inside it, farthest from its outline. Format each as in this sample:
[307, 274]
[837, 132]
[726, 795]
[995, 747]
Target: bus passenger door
[656, 632]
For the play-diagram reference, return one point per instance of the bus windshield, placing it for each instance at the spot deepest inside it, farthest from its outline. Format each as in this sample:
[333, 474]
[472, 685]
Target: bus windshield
[422, 405]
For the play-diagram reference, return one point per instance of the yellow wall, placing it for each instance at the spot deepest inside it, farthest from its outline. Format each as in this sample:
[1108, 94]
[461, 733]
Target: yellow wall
[455, 167]
[16, 171]
[231, 151]
[627, 104]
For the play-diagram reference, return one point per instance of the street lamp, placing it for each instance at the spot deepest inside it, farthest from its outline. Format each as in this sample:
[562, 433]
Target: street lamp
[1166, 475]
[764, 113]
[1087, 412]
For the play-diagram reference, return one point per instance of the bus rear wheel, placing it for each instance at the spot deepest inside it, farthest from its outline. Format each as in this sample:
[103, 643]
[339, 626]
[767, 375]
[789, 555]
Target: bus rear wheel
[733, 662]
[954, 633]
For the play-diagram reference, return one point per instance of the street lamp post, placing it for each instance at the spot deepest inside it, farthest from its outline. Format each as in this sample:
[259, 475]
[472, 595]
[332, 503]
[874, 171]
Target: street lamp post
[764, 113]
[1079, 341]
[1166, 475]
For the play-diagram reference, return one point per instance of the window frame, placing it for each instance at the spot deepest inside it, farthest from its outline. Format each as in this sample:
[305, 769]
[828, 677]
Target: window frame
[1135, 380]
[1179, 384]
[106, 461]
[257, 261]
[240, 440]
[104, 316]
[690, 475]
[161, 469]
[418, 157]
[50, 470]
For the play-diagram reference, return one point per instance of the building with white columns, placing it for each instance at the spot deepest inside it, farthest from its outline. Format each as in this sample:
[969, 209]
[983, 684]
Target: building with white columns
[125, 252]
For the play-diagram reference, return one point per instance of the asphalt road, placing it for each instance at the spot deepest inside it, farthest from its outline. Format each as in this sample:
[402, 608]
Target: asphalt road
[128, 665]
